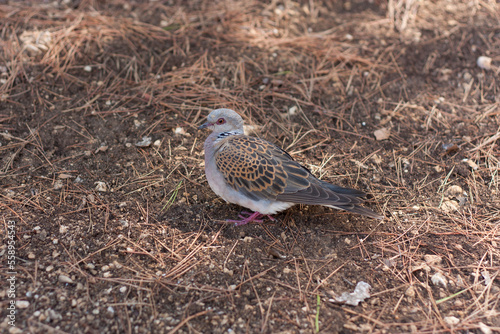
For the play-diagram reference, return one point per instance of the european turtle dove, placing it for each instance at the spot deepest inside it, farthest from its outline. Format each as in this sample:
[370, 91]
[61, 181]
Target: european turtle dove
[262, 177]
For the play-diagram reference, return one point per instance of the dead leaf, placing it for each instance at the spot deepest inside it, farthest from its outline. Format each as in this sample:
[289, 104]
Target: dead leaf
[382, 134]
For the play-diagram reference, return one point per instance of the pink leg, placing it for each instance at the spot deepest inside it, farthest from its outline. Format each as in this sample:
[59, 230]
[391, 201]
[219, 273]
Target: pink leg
[254, 217]
[271, 218]
[256, 220]
[246, 213]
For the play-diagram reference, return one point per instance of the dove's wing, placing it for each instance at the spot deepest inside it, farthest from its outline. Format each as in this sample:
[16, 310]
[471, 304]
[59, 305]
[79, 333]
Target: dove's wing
[263, 171]
[251, 166]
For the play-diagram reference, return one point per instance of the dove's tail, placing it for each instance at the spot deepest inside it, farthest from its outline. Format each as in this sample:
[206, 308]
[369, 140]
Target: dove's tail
[358, 209]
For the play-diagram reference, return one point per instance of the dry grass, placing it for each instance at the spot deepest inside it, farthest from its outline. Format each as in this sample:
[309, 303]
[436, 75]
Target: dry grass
[119, 237]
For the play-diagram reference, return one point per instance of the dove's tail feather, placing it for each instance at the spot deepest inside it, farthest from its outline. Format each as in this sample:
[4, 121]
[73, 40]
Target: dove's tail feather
[342, 190]
[359, 210]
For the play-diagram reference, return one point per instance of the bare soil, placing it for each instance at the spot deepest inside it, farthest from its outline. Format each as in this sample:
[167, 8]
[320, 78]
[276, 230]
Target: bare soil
[117, 230]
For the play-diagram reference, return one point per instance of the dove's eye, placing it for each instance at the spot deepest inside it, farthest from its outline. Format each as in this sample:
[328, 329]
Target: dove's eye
[221, 121]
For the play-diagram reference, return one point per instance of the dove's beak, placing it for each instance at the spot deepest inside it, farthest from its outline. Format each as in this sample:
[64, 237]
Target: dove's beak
[205, 125]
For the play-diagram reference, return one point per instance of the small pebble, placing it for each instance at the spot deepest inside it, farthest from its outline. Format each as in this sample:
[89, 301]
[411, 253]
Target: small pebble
[65, 279]
[58, 185]
[101, 186]
[22, 303]
[144, 142]
[452, 321]
[439, 279]
[432, 260]
[179, 131]
[485, 328]
[484, 62]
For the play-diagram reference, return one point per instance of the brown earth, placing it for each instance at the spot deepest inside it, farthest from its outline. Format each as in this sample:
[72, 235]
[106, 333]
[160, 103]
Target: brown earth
[115, 233]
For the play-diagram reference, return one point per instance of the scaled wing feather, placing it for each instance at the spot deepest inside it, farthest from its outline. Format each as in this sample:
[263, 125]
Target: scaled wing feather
[263, 171]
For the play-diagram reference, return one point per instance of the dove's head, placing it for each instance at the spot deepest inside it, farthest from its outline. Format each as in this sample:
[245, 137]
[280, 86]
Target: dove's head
[223, 120]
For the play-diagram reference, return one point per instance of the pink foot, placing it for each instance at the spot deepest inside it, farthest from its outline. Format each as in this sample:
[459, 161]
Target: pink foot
[246, 213]
[252, 217]
[243, 218]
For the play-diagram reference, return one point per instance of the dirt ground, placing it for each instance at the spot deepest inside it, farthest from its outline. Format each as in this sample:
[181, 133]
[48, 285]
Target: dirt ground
[103, 192]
